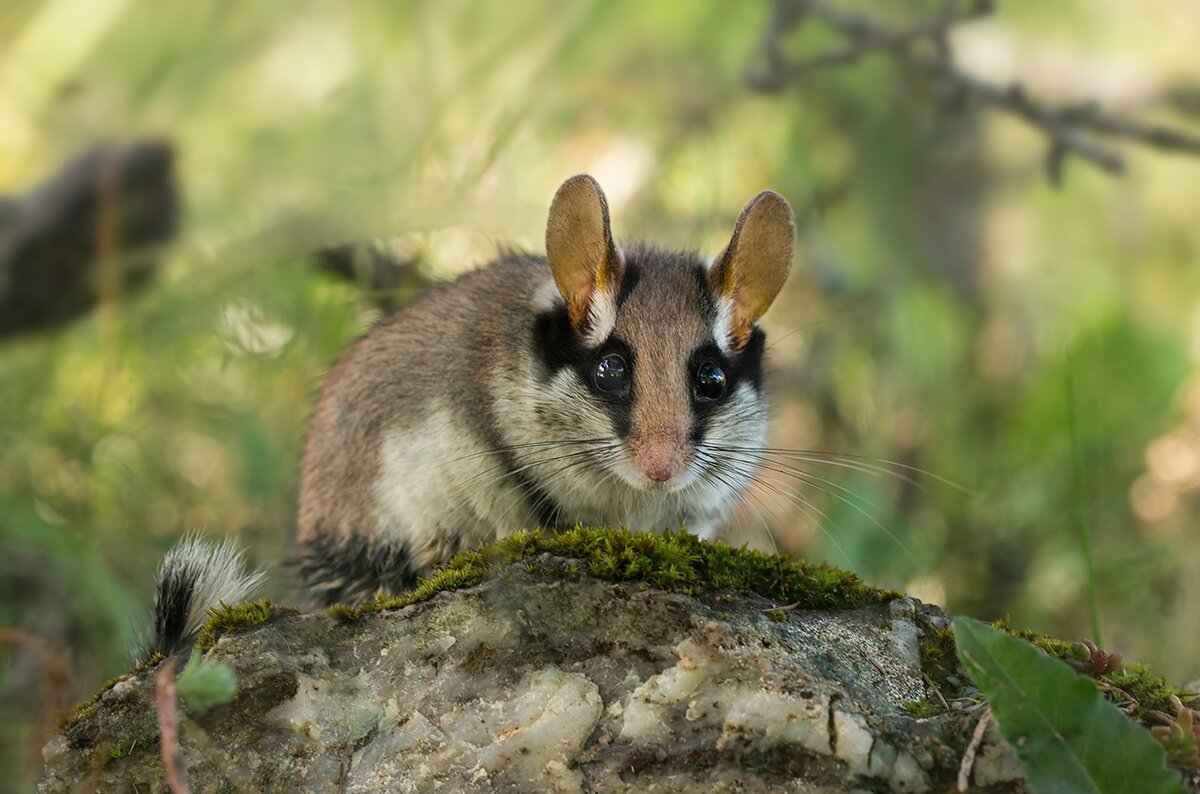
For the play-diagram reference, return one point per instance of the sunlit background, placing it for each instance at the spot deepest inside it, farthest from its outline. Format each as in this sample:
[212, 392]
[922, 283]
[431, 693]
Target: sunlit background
[951, 309]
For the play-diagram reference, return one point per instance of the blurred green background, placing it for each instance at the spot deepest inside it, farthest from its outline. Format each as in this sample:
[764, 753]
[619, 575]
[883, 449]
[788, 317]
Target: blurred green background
[947, 300]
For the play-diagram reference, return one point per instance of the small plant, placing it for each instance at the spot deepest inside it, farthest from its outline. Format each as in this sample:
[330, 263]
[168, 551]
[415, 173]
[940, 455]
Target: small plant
[1067, 735]
[204, 685]
[1090, 660]
[1180, 737]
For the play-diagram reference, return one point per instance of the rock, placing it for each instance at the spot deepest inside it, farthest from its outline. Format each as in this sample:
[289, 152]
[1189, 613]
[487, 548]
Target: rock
[543, 678]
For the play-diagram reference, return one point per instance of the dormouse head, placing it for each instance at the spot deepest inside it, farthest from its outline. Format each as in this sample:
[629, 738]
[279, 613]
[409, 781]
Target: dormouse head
[659, 352]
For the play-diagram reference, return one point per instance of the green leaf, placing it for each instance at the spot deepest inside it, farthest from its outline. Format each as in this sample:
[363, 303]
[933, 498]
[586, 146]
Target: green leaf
[203, 685]
[1069, 738]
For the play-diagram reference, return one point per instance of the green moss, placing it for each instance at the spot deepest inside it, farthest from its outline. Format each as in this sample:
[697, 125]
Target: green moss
[922, 708]
[1148, 691]
[777, 615]
[1151, 692]
[671, 561]
[342, 612]
[237, 619]
[117, 753]
[1133, 686]
[85, 708]
[1052, 646]
[939, 659]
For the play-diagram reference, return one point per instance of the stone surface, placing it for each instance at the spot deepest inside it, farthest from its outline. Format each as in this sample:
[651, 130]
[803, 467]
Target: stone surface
[545, 680]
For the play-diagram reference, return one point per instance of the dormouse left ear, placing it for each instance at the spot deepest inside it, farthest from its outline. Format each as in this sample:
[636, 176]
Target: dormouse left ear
[749, 273]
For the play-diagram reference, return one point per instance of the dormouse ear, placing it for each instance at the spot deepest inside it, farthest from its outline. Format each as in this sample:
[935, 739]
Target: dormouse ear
[586, 265]
[748, 274]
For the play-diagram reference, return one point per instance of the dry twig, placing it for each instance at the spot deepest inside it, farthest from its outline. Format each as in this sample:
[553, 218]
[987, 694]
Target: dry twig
[968, 759]
[168, 728]
[1070, 129]
[936, 690]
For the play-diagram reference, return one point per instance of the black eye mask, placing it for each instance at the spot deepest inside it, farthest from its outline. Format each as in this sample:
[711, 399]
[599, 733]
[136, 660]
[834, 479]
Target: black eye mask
[611, 374]
[714, 376]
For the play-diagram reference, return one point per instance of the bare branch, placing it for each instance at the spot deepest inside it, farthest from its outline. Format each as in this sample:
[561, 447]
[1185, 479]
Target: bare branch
[1070, 129]
[168, 728]
[866, 39]
[968, 759]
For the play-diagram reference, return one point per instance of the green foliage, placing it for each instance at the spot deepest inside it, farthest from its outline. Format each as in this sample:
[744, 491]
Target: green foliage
[204, 684]
[671, 560]
[1133, 683]
[1069, 738]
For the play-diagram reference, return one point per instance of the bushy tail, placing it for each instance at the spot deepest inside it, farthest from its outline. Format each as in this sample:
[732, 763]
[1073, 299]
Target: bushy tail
[195, 576]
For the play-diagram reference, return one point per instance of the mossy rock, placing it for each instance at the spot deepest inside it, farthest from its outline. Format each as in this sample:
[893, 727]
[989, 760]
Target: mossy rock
[600, 612]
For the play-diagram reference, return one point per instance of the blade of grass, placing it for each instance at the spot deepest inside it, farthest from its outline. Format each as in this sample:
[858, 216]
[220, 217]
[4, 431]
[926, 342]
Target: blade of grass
[1082, 521]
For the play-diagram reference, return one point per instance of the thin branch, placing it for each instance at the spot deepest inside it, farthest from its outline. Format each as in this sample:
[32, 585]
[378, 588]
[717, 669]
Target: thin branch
[168, 728]
[1070, 129]
[968, 759]
[866, 39]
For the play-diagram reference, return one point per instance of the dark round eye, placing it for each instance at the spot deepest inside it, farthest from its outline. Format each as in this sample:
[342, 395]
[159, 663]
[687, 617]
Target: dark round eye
[710, 381]
[611, 374]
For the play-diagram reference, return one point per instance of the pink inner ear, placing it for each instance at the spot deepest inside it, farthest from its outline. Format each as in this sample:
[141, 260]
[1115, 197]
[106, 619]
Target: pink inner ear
[578, 302]
[722, 282]
[741, 323]
[753, 268]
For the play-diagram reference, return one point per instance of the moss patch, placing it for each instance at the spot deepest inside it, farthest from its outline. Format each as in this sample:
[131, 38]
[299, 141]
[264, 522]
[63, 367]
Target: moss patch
[777, 615]
[117, 753]
[238, 619]
[1133, 686]
[939, 659]
[1149, 691]
[1054, 647]
[671, 561]
[1130, 682]
[922, 708]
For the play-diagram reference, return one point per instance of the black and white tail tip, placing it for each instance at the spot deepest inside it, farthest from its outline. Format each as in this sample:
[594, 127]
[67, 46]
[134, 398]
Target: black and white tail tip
[196, 576]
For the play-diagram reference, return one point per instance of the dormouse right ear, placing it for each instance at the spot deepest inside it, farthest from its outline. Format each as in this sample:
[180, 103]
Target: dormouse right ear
[748, 274]
[586, 264]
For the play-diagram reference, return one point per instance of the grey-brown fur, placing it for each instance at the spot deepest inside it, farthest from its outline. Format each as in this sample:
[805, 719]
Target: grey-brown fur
[384, 380]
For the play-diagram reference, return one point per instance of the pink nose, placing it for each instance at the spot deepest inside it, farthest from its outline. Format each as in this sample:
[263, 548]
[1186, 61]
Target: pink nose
[659, 462]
